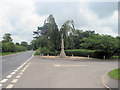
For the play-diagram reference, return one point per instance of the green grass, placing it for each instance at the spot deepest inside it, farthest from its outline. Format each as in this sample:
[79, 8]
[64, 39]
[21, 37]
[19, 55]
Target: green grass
[7, 53]
[115, 74]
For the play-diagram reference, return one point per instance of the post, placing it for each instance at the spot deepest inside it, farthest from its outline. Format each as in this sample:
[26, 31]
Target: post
[104, 57]
[88, 57]
[48, 55]
[62, 53]
[72, 55]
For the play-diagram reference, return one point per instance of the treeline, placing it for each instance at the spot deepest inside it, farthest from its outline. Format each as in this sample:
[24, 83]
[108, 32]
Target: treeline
[8, 46]
[48, 37]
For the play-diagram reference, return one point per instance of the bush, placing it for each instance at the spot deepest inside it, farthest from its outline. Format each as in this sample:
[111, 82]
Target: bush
[21, 48]
[79, 52]
[92, 53]
[45, 51]
[11, 47]
[115, 57]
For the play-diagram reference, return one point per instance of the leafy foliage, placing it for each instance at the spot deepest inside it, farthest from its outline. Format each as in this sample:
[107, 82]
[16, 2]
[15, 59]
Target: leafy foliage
[7, 38]
[8, 46]
[49, 36]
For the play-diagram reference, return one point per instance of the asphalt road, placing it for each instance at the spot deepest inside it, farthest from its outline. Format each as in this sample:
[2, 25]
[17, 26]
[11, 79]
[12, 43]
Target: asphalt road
[11, 62]
[57, 73]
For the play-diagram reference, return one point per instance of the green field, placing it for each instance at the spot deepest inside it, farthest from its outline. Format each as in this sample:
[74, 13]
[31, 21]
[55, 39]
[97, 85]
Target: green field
[115, 74]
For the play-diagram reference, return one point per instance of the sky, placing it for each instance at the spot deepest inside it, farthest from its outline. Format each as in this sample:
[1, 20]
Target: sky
[21, 17]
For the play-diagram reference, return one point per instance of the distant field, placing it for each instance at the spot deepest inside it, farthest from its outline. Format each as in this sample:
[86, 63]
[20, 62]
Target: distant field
[115, 74]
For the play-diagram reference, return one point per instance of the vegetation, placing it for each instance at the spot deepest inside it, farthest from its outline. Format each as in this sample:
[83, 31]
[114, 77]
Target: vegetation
[8, 47]
[115, 74]
[87, 42]
[45, 51]
[7, 53]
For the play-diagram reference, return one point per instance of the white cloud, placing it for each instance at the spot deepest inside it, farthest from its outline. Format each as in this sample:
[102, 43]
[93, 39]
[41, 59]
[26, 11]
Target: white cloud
[92, 22]
[19, 19]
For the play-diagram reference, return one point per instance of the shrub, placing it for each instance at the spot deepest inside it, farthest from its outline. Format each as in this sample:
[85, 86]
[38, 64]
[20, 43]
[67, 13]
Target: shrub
[92, 53]
[79, 52]
[115, 57]
[21, 48]
[45, 51]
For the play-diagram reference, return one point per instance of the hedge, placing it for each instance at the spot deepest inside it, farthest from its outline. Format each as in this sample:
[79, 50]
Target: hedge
[92, 53]
[76, 52]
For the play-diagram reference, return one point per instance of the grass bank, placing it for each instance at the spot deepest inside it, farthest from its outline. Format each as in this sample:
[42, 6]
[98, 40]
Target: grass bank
[115, 74]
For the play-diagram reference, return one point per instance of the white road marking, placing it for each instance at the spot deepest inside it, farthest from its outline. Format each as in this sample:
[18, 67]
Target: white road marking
[74, 65]
[4, 80]
[10, 86]
[23, 70]
[0, 85]
[15, 70]
[13, 73]
[57, 65]
[17, 76]
[24, 63]
[9, 76]
[15, 80]
[18, 68]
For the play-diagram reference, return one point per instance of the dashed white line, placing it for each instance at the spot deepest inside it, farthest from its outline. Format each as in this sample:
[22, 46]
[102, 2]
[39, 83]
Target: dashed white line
[15, 70]
[18, 68]
[9, 76]
[13, 73]
[15, 80]
[4, 80]
[17, 76]
[0, 85]
[10, 86]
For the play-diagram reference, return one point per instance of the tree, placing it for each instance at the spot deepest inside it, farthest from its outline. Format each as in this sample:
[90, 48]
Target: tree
[7, 38]
[106, 43]
[48, 35]
[17, 44]
[68, 31]
[23, 43]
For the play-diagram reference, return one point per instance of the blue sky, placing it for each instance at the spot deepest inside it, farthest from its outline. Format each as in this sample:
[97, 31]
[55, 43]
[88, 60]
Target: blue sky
[21, 17]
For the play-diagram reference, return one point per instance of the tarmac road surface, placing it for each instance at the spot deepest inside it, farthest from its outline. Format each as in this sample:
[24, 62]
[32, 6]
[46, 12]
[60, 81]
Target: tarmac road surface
[57, 73]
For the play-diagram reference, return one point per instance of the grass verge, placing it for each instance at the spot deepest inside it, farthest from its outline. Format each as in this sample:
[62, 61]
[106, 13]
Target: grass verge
[7, 53]
[115, 74]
